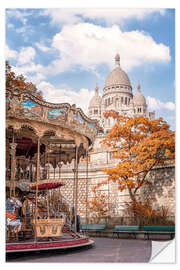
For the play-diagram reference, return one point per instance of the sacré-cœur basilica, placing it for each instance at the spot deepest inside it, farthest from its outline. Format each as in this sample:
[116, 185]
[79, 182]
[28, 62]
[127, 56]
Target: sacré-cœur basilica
[117, 95]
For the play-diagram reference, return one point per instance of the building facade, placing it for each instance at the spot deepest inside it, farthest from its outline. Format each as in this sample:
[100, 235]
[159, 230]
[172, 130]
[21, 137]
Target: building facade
[117, 95]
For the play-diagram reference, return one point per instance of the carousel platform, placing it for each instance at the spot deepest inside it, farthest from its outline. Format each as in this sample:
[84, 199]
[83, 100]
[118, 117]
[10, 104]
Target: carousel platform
[48, 244]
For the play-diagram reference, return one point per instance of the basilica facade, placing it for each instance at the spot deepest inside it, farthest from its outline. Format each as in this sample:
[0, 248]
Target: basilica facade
[117, 95]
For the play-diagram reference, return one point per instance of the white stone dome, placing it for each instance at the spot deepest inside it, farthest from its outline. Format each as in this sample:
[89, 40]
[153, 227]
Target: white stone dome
[139, 99]
[117, 76]
[96, 99]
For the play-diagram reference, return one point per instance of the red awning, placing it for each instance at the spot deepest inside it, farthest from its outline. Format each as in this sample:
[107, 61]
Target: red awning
[47, 185]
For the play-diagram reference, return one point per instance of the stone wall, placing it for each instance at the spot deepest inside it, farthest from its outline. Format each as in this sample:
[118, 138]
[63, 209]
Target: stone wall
[163, 188]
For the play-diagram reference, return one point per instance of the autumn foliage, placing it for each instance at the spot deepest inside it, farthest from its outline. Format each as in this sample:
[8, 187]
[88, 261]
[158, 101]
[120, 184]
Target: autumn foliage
[98, 205]
[145, 213]
[140, 144]
[14, 81]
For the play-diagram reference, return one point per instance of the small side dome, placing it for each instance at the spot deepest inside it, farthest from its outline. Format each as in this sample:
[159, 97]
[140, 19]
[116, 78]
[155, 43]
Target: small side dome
[96, 99]
[139, 99]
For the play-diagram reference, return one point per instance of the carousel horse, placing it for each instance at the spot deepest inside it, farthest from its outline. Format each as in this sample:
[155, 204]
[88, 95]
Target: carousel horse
[11, 205]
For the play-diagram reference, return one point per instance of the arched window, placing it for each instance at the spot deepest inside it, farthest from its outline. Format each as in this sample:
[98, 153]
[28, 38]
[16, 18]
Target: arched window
[95, 111]
[122, 100]
[126, 100]
[116, 102]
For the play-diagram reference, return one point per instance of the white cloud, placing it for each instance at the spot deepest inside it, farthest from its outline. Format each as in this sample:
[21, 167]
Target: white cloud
[21, 29]
[155, 104]
[76, 15]
[10, 25]
[9, 54]
[25, 65]
[57, 95]
[26, 55]
[20, 14]
[109, 15]
[37, 78]
[67, 15]
[28, 68]
[42, 47]
[90, 45]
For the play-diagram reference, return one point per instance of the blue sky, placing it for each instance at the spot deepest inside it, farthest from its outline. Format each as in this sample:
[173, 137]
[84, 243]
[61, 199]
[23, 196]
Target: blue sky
[65, 52]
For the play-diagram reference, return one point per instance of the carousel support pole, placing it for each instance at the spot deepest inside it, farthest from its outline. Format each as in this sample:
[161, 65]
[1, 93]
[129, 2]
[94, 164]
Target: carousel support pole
[37, 182]
[73, 200]
[76, 190]
[48, 168]
[59, 193]
[30, 169]
[13, 166]
[74, 181]
[59, 163]
[44, 169]
[54, 167]
[87, 163]
[47, 202]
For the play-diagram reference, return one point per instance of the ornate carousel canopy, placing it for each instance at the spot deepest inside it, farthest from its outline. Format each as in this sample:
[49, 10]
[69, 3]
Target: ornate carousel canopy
[62, 126]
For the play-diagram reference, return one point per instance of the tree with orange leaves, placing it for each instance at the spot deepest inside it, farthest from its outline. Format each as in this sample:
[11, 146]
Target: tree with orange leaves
[98, 205]
[140, 144]
[14, 81]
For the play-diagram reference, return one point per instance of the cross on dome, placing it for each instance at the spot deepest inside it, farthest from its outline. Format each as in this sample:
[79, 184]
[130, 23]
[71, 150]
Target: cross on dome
[96, 89]
[139, 87]
[117, 60]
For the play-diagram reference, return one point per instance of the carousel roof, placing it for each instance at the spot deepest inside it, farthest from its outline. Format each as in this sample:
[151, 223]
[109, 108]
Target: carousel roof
[35, 118]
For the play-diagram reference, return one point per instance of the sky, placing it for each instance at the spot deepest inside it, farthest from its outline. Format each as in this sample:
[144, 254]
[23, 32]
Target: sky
[65, 52]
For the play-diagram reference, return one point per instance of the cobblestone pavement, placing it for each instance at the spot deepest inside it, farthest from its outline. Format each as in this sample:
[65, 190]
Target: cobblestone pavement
[104, 250]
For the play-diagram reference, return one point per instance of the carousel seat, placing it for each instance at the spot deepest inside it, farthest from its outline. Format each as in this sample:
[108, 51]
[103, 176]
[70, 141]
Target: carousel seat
[48, 227]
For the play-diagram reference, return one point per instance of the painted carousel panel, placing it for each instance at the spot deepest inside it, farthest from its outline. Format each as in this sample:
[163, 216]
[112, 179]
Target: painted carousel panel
[57, 114]
[31, 109]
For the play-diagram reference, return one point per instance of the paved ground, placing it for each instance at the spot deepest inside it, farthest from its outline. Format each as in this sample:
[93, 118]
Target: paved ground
[104, 250]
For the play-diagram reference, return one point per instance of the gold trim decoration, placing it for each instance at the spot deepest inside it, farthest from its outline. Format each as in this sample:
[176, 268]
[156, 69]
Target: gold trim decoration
[48, 227]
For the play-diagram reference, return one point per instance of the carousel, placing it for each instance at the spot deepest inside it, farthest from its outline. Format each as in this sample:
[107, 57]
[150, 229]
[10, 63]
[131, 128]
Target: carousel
[39, 136]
